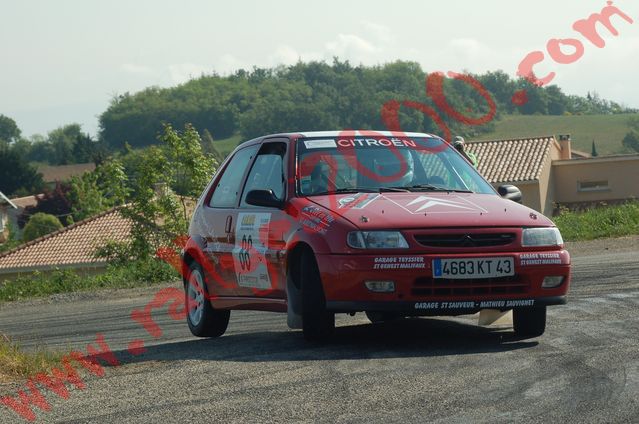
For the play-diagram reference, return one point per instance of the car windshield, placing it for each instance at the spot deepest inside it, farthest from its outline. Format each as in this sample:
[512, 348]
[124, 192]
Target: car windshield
[353, 163]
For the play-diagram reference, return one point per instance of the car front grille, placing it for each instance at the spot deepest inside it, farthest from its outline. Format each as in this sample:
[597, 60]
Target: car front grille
[465, 239]
[444, 287]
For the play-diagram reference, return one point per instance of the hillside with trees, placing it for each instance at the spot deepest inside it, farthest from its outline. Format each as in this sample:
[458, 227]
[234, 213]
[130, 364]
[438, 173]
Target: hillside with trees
[311, 96]
[319, 96]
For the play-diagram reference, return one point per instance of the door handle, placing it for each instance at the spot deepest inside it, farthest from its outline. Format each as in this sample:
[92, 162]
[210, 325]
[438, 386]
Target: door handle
[229, 224]
[228, 228]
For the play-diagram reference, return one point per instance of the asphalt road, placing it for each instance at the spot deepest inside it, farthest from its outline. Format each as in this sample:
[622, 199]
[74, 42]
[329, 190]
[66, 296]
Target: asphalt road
[584, 369]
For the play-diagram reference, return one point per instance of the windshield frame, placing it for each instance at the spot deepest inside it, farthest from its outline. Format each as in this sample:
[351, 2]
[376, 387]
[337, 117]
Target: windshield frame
[301, 148]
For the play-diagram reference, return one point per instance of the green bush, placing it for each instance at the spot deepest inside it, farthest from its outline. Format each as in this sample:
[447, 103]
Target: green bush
[133, 274]
[604, 221]
[39, 225]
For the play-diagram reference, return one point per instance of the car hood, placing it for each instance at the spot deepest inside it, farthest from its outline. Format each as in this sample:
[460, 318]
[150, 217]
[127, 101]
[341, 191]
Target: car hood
[430, 209]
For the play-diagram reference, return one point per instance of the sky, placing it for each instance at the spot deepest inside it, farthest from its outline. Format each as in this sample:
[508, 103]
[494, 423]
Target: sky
[62, 61]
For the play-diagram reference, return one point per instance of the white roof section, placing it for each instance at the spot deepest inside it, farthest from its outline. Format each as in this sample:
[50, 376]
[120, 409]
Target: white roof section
[5, 199]
[365, 133]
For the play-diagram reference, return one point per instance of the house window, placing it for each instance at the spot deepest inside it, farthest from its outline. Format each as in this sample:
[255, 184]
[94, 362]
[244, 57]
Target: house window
[593, 185]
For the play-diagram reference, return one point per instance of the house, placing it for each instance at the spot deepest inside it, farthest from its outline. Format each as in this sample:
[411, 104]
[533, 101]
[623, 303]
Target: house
[6, 207]
[21, 203]
[549, 173]
[69, 247]
[73, 247]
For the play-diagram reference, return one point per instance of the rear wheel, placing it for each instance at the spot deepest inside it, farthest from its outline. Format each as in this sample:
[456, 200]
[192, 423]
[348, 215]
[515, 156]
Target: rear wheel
[529, 322]
[317, 322]
[202, 318]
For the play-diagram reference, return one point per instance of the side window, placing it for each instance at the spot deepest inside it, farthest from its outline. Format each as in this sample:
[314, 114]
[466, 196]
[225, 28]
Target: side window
[267, 172]
[228, 186]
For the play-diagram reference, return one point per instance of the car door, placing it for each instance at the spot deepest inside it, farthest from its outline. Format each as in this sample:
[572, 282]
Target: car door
[220, 212]
[259, 232]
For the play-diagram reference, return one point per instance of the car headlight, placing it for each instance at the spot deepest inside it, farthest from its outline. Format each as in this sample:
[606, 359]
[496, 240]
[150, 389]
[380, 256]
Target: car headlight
[376, 240]
[541, 237]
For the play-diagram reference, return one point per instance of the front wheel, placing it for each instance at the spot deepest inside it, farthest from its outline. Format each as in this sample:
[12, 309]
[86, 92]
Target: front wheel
[530, 322]
[317, 322]
[203, 320]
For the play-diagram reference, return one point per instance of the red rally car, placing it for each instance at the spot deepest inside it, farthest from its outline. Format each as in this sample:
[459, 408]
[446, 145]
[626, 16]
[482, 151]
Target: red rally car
[389, 223]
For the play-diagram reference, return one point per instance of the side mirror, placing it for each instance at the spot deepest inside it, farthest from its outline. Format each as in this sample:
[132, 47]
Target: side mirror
[264, 198]
[510, 192]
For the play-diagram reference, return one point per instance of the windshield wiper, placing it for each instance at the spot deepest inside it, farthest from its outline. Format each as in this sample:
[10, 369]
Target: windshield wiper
[393, 189]
[399, 189]
[345, 190]
[430, 187]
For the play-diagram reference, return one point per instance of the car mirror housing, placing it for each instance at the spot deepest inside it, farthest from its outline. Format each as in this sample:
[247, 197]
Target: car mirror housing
[510, 192]
[264, 198]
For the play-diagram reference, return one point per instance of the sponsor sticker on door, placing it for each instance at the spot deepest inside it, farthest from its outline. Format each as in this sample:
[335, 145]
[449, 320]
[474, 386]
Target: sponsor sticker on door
[249, 252]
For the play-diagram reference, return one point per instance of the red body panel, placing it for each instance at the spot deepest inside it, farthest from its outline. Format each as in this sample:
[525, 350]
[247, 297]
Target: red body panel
[343, 277]
[323, 222]
[430, 210]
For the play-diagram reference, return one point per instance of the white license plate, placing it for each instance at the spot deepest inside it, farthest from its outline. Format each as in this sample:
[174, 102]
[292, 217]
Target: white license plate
[473, 267]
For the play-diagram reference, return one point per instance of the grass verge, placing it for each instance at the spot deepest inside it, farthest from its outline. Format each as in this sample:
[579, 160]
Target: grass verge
[15, 363]
[601, 222]
[133, 274]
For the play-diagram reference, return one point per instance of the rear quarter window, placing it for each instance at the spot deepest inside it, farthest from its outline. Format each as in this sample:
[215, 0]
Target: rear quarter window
[227, 189]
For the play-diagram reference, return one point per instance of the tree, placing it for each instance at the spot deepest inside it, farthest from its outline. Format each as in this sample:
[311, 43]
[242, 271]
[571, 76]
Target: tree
[190, 168]
[165, 178]
[17, 175]
[54, 202]
[320, 95]
[631, 140]
[9, 130]
[593, 152]
[84, 148]
[62, 140]
[537, 99]
[39, 225]
[41, 150]
[557, 100]
[98, 191]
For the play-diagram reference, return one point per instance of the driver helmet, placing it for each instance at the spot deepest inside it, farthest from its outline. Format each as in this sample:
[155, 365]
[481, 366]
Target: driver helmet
[319, 177]
[409, 174]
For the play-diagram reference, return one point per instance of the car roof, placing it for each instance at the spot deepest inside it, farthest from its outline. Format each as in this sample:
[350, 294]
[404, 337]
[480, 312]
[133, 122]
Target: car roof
[364, 133]
[337, 133]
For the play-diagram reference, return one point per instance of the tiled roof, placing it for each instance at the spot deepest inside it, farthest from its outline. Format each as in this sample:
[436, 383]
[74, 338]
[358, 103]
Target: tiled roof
[64, 172]
[512, 160]
[23, 202]
[73, 245]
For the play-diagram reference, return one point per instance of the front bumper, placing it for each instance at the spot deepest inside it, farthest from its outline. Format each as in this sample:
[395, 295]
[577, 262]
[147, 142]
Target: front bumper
[453, 307]
[417, 292]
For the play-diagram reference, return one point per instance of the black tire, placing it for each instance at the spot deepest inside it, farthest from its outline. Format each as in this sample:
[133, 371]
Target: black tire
[208, 322]
[317, 322]
[529, 322]
[377, 316]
